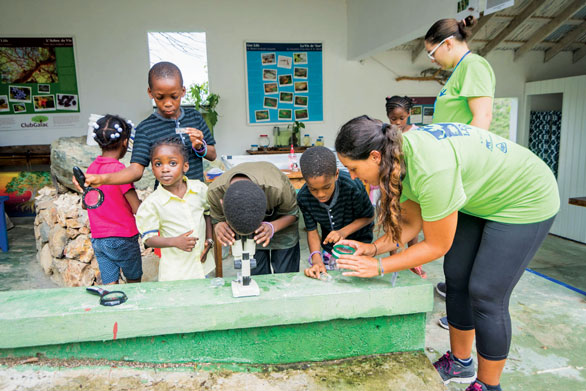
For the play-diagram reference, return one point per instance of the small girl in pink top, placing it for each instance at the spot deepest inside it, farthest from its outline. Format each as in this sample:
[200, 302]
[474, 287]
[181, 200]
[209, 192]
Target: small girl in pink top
[114, 232]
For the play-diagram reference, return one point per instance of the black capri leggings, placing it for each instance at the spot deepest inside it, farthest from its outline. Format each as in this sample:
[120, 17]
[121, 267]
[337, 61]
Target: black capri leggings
[483, 266]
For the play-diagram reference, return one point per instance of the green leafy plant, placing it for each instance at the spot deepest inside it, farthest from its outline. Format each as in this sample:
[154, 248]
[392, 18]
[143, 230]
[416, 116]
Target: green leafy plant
[205, 102]
[297, 126]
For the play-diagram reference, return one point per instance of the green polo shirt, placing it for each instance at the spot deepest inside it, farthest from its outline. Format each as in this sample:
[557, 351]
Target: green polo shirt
[473, 77]
[452, 167]
[280, 193]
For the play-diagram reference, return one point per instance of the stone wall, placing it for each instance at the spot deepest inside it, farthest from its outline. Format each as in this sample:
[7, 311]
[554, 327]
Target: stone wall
[62, 235]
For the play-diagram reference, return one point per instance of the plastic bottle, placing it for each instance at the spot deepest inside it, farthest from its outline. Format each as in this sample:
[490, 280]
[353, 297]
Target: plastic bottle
[319, 141]
[293, 160]
[306, 140]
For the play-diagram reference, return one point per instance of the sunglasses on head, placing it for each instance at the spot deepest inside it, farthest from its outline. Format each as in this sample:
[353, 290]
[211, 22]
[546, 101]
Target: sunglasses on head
[430, 54]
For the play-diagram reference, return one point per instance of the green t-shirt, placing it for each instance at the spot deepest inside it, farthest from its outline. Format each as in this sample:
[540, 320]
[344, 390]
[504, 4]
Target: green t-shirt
[452, 167]
[472, 77]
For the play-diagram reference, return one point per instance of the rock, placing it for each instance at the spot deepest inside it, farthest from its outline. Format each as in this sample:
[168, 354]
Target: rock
[57, 241]
[73, 223]
[44, 204]
[85, 230]
[72, 233]
[78, 274]
[80, 249]
[44, 232]
[46, 259]
[150, 267]
[67, 152]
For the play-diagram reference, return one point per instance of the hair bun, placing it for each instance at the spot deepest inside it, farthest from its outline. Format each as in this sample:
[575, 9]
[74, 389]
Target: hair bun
[469, 21]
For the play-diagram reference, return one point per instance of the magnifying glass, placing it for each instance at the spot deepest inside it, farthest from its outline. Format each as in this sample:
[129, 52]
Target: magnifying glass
[108, 298]
[341, 249]
[92, 197]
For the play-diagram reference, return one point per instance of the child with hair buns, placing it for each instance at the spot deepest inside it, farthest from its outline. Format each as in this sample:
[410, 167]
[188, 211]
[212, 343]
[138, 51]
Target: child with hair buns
[112, 224]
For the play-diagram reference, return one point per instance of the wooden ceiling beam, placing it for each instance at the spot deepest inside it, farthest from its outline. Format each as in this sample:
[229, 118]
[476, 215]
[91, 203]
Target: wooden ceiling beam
[482, 21]
[549, 28]
[566, 41]
[531, 8]
[418, 49]
[578, 55]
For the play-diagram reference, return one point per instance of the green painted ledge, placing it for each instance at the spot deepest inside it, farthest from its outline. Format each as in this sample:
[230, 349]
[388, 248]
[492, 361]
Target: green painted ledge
[294, 319]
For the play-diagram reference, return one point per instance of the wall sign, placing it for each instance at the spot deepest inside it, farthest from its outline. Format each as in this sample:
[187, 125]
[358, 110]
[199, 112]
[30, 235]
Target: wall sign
[37, 82]
[284, 82]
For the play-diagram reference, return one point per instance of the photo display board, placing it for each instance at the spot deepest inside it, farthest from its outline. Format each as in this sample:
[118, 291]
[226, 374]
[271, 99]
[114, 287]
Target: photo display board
[284, 82]
[37, 81]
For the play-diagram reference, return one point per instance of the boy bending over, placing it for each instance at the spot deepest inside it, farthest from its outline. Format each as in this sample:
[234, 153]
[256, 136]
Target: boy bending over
[277, 237]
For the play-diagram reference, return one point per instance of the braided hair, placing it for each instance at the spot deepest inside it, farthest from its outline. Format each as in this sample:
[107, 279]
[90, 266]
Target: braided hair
[356, 140]
[110, 131]
[395, 102]
[444, 28]
[173, 141]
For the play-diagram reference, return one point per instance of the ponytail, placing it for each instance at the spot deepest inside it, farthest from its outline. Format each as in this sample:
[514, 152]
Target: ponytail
[444, 28]
[356, 140]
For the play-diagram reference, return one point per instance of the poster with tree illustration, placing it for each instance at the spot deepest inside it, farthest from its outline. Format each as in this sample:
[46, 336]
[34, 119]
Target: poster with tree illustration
[21, 188]
[37, 75]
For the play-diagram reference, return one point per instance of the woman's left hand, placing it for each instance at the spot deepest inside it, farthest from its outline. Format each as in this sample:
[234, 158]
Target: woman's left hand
[361, 265]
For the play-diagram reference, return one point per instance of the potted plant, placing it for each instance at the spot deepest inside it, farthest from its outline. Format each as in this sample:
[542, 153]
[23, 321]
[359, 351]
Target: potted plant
[296, 134]
[205, 102]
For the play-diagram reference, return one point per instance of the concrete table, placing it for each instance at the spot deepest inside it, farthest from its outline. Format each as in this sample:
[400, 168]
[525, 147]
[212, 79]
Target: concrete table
[294, 319]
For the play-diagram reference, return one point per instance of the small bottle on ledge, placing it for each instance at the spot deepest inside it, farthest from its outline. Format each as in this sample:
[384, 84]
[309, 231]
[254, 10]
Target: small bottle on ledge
[293, 166]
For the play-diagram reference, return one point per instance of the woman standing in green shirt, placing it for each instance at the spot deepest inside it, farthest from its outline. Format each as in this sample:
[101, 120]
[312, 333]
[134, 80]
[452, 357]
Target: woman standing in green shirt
[483, 202]
[467, 96]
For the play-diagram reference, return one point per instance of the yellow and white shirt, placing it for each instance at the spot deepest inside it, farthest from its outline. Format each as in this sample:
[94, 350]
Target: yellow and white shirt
[166, 214]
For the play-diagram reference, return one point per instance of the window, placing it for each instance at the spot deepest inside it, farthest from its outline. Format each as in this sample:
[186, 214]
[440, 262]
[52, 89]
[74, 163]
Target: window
[187, 50]
[504, 118]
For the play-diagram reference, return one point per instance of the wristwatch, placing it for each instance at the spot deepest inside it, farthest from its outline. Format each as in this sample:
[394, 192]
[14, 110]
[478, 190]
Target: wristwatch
[210, 241]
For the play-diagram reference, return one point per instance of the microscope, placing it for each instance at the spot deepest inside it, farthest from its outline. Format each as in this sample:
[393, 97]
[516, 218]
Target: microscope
[243, 251]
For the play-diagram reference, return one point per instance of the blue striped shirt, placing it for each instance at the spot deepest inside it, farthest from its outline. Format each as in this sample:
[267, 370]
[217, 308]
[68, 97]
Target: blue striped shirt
[156, 127]
[349, 202]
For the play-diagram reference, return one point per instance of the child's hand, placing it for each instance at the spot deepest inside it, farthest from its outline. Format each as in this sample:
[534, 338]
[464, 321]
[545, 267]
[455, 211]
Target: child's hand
[196, 137]
[315, 270]
[206, 248]
[263, 234]
[334, 237]
[224, 233]
[185, 242]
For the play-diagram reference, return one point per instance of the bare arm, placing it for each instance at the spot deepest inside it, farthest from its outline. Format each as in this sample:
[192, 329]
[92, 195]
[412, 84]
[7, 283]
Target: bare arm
[263, 233]
[313, 241]
[211, 155]
[481, 108]
[336, 236]
[130, 174]
[132, 199]
[411, 223]
[183, 242]
[439, 236]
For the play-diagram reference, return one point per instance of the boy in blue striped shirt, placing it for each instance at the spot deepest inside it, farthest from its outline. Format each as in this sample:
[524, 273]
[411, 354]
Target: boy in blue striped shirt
[333, 200]
[166, 89]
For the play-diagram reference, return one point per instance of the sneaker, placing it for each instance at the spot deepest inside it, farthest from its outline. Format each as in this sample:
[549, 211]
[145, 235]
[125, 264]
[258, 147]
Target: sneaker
[443, 322]
[440, 288]
[477, 385]
[451, 370]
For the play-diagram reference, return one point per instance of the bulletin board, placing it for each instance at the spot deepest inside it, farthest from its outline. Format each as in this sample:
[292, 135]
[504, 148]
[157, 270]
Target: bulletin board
[284, 82]
[422, 110]
[37, 81]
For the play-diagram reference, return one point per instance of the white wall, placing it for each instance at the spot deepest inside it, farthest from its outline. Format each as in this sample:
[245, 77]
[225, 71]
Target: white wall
[378, 25]
[112, 59]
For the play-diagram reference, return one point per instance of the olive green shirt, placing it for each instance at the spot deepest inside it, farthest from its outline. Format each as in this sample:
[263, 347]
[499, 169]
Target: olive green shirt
[280, 193]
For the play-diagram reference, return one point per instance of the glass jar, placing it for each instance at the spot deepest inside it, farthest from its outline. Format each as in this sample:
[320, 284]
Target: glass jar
[253, 147]
[319, 141]
[306, 140]
[263, 141]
